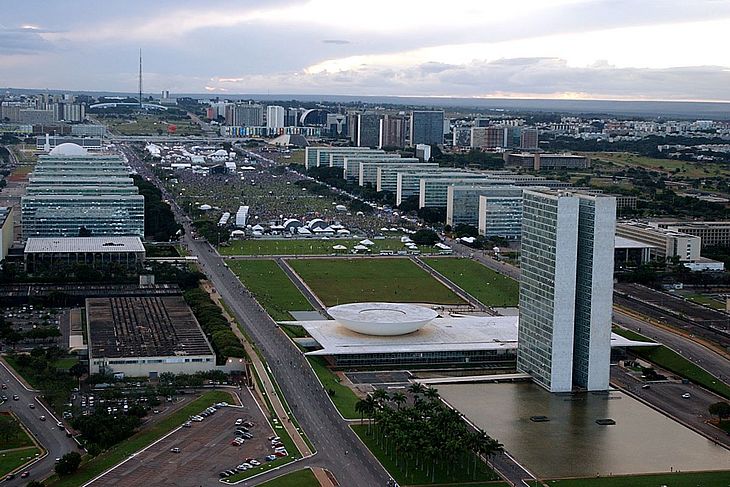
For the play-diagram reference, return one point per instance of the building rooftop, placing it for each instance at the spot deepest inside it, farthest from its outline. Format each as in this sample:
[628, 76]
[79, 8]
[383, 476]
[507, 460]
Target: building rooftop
[143, 327]
[464, 333]
[83, 244]
[627, 243]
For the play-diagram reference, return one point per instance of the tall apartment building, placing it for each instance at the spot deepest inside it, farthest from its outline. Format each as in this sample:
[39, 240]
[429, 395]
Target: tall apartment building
[488, 137]
[368, 130]
[461, 137]
[528, 139]
[393, 131]
[427, 127]
[275, 116]
[244, 115]
[566, 289]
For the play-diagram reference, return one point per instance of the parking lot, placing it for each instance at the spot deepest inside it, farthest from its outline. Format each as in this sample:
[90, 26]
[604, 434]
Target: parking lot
[35, 324]
[205, 451]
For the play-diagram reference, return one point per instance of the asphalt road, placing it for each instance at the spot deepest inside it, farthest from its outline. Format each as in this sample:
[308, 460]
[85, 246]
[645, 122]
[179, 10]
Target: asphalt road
[711, 361]
[338, 448]
[667, 398]
[52, 438]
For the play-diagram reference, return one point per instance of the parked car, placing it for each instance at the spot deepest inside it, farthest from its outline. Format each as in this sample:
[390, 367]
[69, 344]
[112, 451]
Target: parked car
[175, 450]
[42, 418]
[686, 395]
[32, 406]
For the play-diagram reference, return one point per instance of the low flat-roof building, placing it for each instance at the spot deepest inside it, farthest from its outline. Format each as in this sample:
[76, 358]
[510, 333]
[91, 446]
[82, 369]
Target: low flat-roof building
[97, 252]
[711, 233]
[667, 243]
[537, 161]
[632, 252]
[145, 336]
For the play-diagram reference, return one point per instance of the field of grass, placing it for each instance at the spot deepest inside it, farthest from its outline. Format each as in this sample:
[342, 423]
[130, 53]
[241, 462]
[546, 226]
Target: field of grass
[460, 475]
[693, 479]
[300, 478]
[271, 287]
[673, 362]
[96, 465]
[342, 396]
[14, 436]
[291, 246]
[686, 169]
[706, 300]
[489, 287]
[339, 281]
[11, 460]
[147, 125]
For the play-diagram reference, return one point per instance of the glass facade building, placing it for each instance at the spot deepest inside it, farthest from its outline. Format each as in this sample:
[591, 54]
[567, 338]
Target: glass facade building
[427, 127]
[566, 289]
[70, 192]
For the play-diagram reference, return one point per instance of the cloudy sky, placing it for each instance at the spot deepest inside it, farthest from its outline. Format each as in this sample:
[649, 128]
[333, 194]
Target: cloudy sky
[600, 49]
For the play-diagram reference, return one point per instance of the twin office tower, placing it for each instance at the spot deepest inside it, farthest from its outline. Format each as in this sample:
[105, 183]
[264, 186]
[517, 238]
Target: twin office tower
[566, 289]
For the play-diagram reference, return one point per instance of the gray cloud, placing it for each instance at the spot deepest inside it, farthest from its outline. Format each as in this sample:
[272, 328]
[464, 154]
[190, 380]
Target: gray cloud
[23, 41]
[336, 41]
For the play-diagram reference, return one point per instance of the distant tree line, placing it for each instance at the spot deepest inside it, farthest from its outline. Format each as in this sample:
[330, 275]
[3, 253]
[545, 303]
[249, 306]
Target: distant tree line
[214, 325]
[159, 220]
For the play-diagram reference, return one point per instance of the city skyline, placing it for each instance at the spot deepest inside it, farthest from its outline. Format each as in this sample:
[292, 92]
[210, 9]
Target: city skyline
[568, 49]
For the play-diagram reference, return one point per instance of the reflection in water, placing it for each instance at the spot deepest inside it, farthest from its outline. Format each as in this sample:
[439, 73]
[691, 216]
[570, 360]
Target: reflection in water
[571, 444]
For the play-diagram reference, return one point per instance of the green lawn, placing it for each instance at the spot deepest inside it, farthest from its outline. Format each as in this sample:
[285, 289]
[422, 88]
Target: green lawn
[65, 363]
[688, 169]
[11, 460]
[694, 479]
[673, 362]
[271, 287]
[313, 246]
[300, 478]
[94, 466]
[343, 397]
[490, 287]
[339, 281]
[14, 436]
[706, 300]
[460, 474]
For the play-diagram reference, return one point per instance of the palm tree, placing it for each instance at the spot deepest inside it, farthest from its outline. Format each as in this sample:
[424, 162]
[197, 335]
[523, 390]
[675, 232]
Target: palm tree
[431, 394]
[399, 398]
[416, 388]
[380, 396]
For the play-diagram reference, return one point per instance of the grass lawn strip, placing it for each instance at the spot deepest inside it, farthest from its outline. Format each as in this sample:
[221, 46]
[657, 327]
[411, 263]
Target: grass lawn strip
[343, 398]
[693, 479]
[140, 440]
[290, 246]
[460, 475]
[670, 360]
[300, 478]
[16, 435]
[11, 460]
[271, 286]
[489, 287]
[339, 281]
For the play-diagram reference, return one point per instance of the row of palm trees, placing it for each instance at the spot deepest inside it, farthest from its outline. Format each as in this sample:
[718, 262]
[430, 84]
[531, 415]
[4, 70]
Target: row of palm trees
[420, 433]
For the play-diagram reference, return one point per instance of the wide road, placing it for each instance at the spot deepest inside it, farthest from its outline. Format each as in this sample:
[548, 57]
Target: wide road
[338, 448]
[46, 432]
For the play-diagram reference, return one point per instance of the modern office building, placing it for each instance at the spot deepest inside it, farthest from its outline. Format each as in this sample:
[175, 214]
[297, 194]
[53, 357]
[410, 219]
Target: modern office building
[667, 242]
[145, 336]
[93, 143]
[491, 137]
[427, 127]
[244, 115]
[387, 174]
[6, 230]
[275, 117]
[368, 173]
[537, 161]
[351, 163]
[711, 233]
[566, 289]
[462, 202]
[393, 131]
[368, 130]
[433, 191]
[500, 212]
[528, 138]
[96, 252]
[461, 137]
[71, 193]
[320, 156]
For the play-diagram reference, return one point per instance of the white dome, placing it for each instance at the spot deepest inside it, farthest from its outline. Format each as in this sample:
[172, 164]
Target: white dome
[382, 319]
[220, 152]
[69, 149]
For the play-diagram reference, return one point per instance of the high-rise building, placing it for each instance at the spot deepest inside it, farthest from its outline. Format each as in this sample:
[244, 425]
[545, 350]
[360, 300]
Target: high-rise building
[393, 131]
[291, 119]
[427, 127]
[566, 289]
[368, 129]
[244, 115]
[461, 136]
[275, 117]
[528, 139]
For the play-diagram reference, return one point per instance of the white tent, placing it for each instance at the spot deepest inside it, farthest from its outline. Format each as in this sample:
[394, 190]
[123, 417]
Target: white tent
[367, 242]
[343, 231]
[339, 247]
[204, 207]
[405, 239]
[360, 248]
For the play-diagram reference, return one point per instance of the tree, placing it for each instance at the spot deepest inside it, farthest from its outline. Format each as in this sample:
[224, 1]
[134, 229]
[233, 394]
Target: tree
[425, 237]
[84, 232]
[720, 409]
[68, 463]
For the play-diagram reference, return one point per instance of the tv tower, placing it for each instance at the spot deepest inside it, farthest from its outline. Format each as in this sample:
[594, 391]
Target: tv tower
[140, 79]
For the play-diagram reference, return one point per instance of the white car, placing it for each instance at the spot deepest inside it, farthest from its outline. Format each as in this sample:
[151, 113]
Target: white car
[686, 395]
[239, 422]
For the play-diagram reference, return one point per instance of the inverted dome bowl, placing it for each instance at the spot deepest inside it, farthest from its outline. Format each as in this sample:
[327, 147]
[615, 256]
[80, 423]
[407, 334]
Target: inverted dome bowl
[382, 319]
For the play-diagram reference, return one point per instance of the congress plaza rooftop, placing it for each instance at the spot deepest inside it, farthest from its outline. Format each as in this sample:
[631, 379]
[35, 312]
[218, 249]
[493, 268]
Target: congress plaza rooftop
[445, 339]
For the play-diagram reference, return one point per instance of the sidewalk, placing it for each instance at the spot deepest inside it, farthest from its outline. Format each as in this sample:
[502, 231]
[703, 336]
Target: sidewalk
[260, 368]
